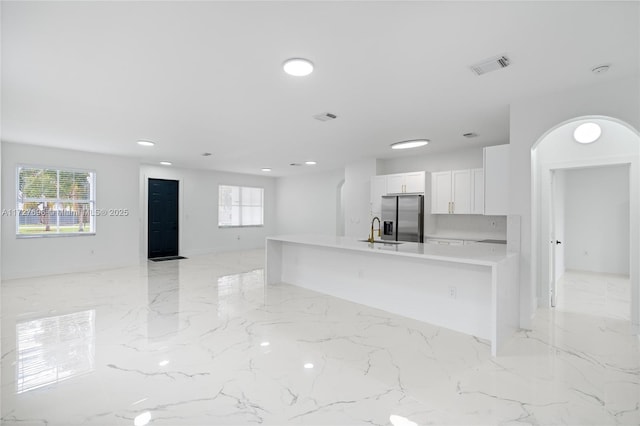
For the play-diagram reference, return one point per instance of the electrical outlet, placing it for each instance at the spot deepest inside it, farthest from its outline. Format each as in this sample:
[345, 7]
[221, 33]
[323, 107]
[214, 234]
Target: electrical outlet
[453, 292]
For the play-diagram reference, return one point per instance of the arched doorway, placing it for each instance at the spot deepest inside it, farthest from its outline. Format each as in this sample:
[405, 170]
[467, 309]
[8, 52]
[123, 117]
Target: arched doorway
[557, 150]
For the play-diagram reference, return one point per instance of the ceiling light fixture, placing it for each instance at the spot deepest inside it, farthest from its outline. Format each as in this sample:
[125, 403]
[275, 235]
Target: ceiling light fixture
[266, 169]
[145, 143]
[310, 163]
[166, 163]
[600, 69]
[308, 365]
[414, 143]
[587, 133]
[298, 67]
[264, 344]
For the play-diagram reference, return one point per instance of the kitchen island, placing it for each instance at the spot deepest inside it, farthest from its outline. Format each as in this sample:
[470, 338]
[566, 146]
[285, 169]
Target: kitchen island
[469, 288]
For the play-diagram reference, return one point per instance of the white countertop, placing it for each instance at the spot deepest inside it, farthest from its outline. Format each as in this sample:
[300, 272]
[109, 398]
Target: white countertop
[475, 254]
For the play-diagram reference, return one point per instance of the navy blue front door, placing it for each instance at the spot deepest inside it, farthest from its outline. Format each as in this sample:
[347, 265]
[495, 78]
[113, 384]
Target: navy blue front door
[163, 218]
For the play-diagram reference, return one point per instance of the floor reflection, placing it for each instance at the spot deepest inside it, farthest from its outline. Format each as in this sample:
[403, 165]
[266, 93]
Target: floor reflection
[163, 295]
[237, 289]
[54, 348]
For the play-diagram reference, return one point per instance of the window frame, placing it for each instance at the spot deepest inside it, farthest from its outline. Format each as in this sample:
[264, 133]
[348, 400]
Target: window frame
[240, 187]
[49, 234]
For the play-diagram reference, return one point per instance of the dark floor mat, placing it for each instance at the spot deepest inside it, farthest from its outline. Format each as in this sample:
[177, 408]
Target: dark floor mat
[161, 259]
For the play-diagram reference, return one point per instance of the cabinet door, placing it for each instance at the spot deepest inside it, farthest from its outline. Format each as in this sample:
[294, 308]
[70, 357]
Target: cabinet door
[496, 180]
[477, 191]
[414, 182]
[395, 184]
[461, 191]
[378, 189]
[440, 192]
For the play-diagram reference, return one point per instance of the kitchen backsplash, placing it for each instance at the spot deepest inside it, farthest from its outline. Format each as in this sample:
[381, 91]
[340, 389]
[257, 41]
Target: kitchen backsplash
[460, 226]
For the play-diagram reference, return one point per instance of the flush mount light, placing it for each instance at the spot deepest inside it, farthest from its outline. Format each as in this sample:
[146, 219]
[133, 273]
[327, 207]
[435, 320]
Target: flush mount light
[310, 163]
[587, 133]
[166, 163]
[145, 143]
[600, 69]
[298, 67]
[266, 169]
[415, 143]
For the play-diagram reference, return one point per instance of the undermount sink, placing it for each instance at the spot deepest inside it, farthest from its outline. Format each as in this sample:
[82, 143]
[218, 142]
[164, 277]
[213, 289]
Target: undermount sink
[382, 242]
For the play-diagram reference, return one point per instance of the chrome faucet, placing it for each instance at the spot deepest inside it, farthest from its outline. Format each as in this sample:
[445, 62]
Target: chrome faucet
[371, 238]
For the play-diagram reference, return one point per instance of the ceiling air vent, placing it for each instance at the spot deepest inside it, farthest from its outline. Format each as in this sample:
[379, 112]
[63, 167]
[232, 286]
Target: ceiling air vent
[325, 116]
[490, 64]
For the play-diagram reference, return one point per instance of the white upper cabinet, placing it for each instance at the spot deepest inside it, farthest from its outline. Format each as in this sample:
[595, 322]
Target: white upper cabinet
[399, 183]
[441, 192]
[457, 192]
[395, 184]
[496, 180]
[405, 183]
[477, 191]
[461, 193]
[414, 182]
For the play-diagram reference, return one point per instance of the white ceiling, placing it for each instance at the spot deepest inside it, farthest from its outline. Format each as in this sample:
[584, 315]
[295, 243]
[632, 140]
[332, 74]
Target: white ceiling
[207, 76]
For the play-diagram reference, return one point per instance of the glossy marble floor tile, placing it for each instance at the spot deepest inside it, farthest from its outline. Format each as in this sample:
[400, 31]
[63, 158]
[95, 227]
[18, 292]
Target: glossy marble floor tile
[201, 341]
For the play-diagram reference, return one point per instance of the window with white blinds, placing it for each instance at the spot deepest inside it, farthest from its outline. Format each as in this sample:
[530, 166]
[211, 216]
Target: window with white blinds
[240, 206]
[54, 201]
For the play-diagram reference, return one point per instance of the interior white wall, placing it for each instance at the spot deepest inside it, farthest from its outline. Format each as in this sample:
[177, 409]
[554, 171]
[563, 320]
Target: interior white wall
[115, 243]
[530, 119]
[560, 221]
[198, 210]
[309, 204]
[470, 158]
[597, 225]
[357, 196]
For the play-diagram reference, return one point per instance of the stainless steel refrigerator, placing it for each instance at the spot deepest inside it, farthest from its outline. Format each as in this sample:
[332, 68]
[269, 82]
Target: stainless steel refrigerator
[403, 218]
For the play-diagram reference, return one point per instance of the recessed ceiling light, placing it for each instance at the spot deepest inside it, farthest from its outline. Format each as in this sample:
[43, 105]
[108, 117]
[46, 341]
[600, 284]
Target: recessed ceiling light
[415, 143]
[145, 143]
[310, 163]
[587, 133]
[308, 365]
[264, 344]
[298, 67]
[166, 163]
[266, 169]
[163, 363]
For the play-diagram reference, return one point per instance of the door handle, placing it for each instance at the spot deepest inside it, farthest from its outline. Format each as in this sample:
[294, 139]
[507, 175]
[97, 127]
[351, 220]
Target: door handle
[558, 242]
